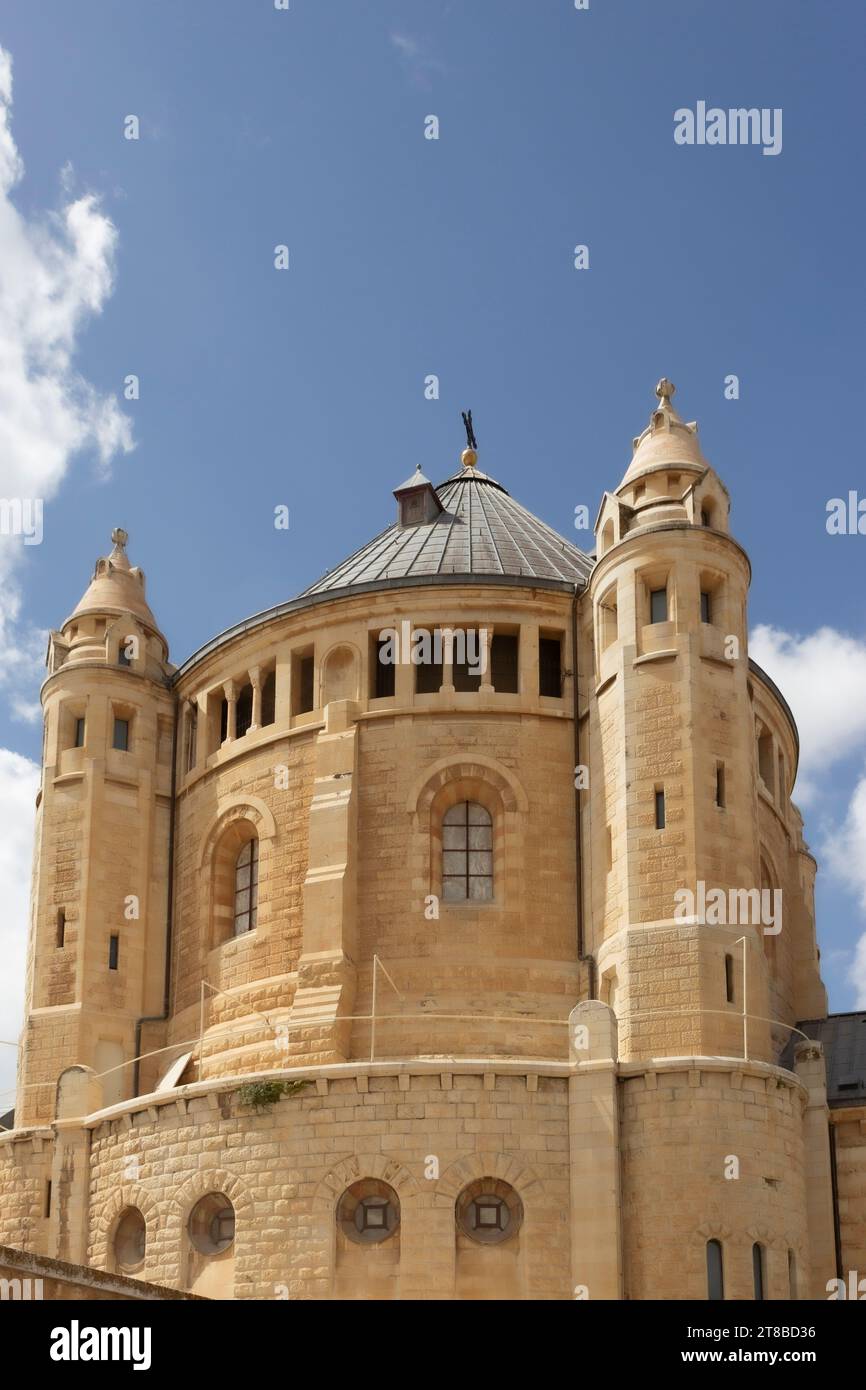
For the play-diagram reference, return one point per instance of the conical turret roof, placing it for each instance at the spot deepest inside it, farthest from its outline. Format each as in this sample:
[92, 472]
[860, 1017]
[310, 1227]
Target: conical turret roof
[116, 586]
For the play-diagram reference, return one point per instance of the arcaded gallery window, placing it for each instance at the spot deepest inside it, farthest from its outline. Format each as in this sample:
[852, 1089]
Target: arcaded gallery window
[467, 853]
[247, 888]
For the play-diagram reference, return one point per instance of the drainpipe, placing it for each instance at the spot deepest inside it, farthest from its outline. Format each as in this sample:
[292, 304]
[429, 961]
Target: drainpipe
[578, 856]
[834, 1184]
[169, 911]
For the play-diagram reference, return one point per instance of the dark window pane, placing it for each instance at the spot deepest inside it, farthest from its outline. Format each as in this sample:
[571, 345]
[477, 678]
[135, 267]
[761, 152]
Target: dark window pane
[428, 677]
[269, 692]
[503, 663]
[659, 606]
[121, 735]
[113, 952]
[550, 666]
[758, 1270]
[706, 607]
[244, 711]
[715, 1273]
[306, 684]
[660, 810]
[385, 673]
[79, 733]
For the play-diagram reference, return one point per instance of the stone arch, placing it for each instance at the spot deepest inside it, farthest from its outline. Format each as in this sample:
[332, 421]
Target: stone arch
[180, 1207]
[508, 1167]
[232, 809]
[210, 1180]
[240, 818]
[483, 771]
[358, 1166]
[129, 1195]
[341, 665]
[489, 784]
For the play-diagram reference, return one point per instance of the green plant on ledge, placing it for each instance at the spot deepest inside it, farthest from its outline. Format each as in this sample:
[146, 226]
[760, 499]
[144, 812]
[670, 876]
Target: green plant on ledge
[260, 1094]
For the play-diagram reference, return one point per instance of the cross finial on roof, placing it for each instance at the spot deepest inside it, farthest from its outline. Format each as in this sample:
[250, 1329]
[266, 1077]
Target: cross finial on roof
[471, 441]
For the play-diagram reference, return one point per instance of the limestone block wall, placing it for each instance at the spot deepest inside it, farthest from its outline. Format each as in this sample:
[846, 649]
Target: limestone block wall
[25, 1169]
[285, 1168]
[680, 1128]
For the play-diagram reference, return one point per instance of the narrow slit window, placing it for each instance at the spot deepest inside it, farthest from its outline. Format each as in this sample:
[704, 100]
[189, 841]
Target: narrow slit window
[61, 927]
[729, 979]
[47, 1196]
[758, 1271]
[79, 733]
[113, 952]
[658, 605]
[660, 809]
[120, 739]
[715, 1271]
[720, 785]
[706, 606]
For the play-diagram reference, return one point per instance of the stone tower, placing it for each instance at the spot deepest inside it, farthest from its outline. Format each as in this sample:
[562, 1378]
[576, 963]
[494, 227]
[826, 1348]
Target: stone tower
[96, 961]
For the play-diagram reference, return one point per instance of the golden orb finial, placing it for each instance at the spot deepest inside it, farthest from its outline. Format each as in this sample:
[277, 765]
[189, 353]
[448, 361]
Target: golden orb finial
[469, 458]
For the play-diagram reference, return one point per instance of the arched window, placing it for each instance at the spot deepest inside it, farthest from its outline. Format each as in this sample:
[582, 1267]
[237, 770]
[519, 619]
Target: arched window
[467, 853]
[247, 887]
[130, 1238]
[211, 1224]
[244, 711]
[758, 1270]
[368, 1212]
[715, 1271]
[489, 1211]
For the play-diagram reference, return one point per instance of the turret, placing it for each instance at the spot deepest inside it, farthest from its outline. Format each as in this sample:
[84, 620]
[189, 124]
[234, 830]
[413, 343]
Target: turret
[98, 913]
[677, 818]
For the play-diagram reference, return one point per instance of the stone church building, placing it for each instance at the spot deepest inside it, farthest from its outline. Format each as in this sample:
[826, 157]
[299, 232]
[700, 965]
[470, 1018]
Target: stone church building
[446, 932]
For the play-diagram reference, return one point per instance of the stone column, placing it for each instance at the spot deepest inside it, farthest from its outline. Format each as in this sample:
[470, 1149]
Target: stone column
[485, 644]
[809, 1066]
[230, 692]
[593, 1126]
[255, 675]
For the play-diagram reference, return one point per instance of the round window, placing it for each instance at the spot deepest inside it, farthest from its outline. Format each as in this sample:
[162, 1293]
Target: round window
[212, 1224]
[489, 1211]
[129, 1239]
[368, 1212]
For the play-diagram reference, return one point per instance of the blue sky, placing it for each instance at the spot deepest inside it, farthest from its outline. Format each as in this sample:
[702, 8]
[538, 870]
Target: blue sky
[455, 257]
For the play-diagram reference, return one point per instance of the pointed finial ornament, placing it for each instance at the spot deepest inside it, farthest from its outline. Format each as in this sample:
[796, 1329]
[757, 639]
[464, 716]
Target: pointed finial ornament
[469, 457]
[120, 537]
[665, 389]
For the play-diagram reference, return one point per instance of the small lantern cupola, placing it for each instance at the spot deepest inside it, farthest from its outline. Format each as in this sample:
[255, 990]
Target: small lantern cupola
[417, 502]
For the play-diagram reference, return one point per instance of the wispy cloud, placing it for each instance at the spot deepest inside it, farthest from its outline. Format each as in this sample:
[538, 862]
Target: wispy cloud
[417, 58]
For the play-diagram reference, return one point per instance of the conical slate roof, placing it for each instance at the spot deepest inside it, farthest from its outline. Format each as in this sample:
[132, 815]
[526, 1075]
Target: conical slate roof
[480, 531]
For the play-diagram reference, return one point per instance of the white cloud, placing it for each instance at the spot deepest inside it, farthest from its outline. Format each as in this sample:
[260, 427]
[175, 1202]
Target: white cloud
[823, 678]
[417, 59]
[19, 782]
[56, 273]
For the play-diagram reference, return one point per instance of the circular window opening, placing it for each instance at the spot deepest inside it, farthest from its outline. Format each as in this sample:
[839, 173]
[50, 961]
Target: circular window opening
[368, 1212]
[489, 1211]
[130, 1239]
[212, 1224]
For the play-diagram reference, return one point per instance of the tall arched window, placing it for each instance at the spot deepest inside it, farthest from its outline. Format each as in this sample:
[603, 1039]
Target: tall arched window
[715, 1271]
[246, 887]
[467, 853]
